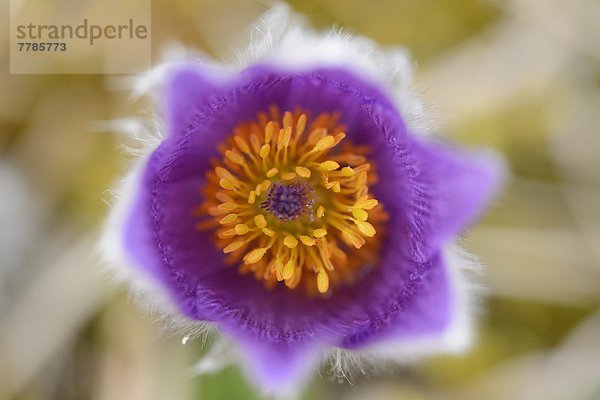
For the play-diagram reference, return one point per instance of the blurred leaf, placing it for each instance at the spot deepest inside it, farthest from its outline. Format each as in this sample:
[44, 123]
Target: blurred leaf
[226, 384]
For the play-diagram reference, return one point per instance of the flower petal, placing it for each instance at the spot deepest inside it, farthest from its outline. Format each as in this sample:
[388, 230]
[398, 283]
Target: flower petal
[161, 239]
[188, 88]
[278, 370]
[437, 318]
[452, 189]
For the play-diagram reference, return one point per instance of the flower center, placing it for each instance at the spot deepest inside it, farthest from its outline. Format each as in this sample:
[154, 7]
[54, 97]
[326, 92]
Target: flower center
[289, 202]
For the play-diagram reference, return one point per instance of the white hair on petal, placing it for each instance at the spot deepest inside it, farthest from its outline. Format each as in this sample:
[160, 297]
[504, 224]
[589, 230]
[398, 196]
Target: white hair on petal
[148, 83]
[344, 365]
[149, 296]
[282, 38]
[142, 135]
[464, 274]
[221, 354]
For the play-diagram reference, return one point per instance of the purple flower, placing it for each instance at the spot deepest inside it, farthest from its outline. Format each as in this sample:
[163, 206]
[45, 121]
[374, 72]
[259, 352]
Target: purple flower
[297, 205]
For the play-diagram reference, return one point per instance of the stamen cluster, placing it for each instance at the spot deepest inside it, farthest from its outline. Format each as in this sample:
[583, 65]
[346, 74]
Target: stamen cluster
[290, 202]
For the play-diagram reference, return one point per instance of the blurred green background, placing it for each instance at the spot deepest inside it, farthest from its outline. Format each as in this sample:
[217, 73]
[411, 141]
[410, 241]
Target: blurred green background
[520, 76]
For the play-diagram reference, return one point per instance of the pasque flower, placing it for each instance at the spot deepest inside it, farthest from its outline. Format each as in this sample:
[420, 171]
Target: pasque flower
[296, 203]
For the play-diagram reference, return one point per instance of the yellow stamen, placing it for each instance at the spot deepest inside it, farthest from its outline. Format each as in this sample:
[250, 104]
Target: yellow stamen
[365, 228]
[230, 248]
[226, 184]
[224, 197]
[234, 157]
[290, 242]
[360, 214]
[268, 232]
[229, 218]
[227, 206]
[302, 171]
[324, 143]
[280, 140]
[322, 281]
[255, 142]
[288, 176]
[255, 255]
[320, 212]
[228, 232]
[300, 125]
[307, 240]
[335, 186]
[347, 172]
[288, 270]
[265, 185]
[260, 221]
[264, 151]
[329, 165]
[223, 173]
[242, 145]
[367, 204]
[241, 229]
[319, 233]
[269, 131]
[279, 269]
[287, 135]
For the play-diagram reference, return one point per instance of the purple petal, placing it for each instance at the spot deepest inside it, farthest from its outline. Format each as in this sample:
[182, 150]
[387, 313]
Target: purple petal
[278, 369]
[187, 90]
[452, 190]
[162, 239]
[431, 192]
[407, 307]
